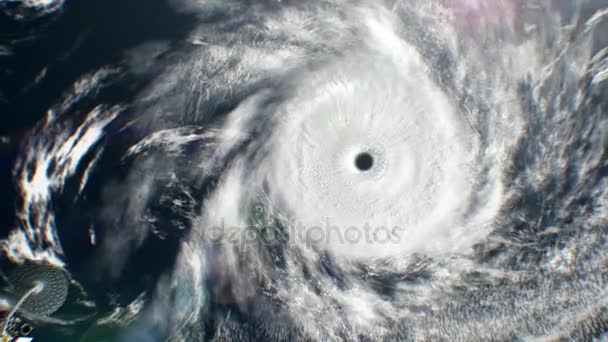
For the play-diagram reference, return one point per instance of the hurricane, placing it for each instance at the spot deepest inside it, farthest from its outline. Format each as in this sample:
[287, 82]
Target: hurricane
[331, 171]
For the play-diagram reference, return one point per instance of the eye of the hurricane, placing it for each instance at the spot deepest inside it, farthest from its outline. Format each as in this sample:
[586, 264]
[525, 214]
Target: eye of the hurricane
[364, 161]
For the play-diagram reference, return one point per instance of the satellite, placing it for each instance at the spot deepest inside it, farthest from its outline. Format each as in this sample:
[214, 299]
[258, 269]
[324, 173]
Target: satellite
[37, 290]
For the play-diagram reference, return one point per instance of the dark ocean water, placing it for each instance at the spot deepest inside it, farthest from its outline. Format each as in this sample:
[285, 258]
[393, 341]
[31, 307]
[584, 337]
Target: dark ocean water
[48, 54]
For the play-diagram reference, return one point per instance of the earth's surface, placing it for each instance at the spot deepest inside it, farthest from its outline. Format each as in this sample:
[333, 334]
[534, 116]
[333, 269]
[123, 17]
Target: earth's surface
[319, 170]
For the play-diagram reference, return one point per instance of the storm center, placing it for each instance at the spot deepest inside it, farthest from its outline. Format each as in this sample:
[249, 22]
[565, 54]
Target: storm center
[364, 161]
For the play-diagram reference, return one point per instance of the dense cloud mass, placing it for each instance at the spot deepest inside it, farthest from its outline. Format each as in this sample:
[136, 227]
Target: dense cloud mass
[338, 170]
